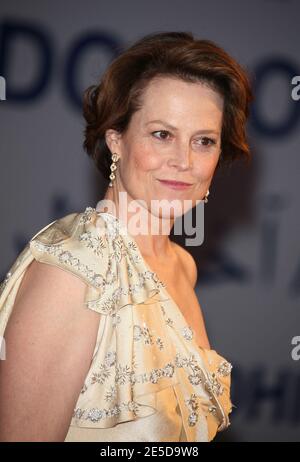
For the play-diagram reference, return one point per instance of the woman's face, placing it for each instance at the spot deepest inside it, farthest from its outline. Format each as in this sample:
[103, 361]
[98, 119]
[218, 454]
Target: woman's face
[176, 135]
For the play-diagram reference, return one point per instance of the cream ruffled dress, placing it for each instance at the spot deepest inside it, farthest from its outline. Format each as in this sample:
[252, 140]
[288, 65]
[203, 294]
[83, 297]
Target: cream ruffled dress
[148, 379]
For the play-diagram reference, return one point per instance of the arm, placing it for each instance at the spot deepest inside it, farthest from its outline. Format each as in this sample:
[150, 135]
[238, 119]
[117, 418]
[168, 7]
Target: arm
[50, 338]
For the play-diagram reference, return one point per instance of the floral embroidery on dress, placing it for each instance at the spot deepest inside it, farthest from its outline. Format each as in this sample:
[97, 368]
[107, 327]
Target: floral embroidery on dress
[159, 343]
[94, 414]
[111, 394]
[66, 258]
[86, 216]
[135, 356]
[143, 332]
[187, 332]
[97, 243]
[224, 368]
[124, 375]
[193, 405]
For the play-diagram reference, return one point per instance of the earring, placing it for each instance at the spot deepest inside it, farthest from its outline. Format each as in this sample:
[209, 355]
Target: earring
[206, 196]
[115, 157]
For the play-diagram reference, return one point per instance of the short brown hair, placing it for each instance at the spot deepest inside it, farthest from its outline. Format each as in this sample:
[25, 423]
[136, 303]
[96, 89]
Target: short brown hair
[111, 103]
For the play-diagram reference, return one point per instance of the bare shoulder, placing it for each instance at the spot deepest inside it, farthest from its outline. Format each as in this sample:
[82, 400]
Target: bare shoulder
[50, 337]
[188, 262]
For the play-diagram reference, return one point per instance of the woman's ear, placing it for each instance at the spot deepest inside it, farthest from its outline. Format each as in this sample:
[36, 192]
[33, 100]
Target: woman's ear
[112, 139]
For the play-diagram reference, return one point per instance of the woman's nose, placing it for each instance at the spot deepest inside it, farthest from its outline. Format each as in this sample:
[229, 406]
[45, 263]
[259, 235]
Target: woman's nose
[181, 157]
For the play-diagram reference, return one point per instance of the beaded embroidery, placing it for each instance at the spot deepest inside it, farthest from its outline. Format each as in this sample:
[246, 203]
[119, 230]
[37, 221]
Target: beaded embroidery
[115, 378]
[125, 375]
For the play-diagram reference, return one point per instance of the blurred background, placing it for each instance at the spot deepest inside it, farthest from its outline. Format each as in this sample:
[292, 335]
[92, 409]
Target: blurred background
[249, 262]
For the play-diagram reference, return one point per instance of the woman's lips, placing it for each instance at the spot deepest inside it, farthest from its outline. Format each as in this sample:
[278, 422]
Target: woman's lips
[175, 184]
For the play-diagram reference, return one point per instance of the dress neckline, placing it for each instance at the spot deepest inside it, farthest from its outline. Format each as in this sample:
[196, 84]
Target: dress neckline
[163, 286]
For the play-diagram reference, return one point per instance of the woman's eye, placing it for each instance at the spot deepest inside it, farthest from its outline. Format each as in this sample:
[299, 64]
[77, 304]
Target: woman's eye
[164, 132]
[211, 141]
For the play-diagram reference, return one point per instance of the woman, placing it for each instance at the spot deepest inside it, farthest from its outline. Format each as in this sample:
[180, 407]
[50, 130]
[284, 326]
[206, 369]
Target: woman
[136, 365]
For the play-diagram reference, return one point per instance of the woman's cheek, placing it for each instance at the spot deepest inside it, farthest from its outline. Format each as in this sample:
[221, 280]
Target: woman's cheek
[147, 160]
[204, 170]
[199, 173]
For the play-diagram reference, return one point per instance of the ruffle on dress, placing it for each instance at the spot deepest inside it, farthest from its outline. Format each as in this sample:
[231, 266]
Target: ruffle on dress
[144, 344]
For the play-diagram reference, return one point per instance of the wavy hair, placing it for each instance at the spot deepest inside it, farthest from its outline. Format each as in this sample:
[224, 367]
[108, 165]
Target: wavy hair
[111, 103]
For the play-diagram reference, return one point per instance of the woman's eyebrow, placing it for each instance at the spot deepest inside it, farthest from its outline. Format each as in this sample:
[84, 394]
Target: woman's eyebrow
[207, 130]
